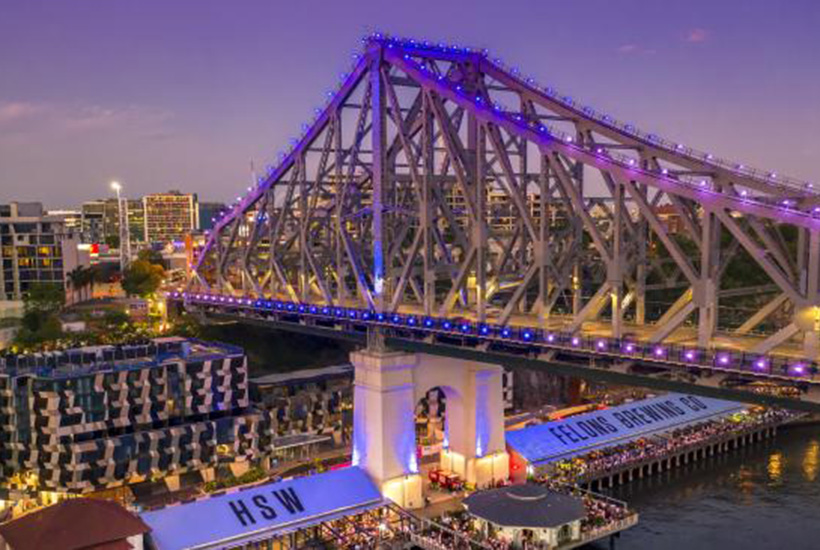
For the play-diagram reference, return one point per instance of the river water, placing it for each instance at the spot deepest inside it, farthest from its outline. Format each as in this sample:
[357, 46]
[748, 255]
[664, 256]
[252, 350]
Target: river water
[766, 496]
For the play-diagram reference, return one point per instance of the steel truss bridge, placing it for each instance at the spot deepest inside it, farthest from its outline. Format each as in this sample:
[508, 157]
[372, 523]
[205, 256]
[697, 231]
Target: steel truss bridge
[455, 205]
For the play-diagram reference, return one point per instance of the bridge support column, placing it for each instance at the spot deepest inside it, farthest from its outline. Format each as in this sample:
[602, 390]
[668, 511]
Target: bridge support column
[474, 417]
[388, 387]
[811, 314]
[615, 268]
[384, 439]
[705, 291]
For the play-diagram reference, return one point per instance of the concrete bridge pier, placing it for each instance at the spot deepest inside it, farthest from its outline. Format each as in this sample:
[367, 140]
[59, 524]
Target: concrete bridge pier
[387, 387]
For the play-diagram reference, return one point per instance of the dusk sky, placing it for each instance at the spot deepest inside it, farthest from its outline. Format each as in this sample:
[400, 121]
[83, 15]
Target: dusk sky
[183, 94]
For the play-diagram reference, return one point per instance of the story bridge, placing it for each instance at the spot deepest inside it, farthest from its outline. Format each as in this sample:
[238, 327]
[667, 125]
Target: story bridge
[443, 203]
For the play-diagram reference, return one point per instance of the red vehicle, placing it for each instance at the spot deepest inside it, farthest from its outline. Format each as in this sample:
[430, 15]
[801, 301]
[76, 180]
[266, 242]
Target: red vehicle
[447, 480]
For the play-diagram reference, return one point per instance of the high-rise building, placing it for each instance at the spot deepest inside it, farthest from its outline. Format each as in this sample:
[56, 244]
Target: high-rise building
[101, 221]
[35, 247]
[73, 219]
[208, 213]
[170, 216]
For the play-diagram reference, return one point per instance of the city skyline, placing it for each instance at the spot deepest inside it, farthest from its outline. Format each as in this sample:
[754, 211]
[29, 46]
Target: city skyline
[162, 98]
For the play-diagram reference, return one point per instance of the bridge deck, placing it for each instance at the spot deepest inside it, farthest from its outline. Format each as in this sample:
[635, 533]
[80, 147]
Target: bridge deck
[772, 380]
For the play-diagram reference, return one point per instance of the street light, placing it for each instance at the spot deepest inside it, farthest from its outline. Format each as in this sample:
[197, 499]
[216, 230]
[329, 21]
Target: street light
[125, 234]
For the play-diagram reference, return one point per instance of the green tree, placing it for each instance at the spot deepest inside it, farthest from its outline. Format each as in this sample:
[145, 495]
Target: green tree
[151, 256]
[112, 241]
[40, 323]
[142, 278]
[115, 319]
[44, 297]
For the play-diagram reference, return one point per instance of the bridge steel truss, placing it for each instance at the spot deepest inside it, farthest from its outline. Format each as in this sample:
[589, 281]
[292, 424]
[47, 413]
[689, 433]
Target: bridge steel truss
[437, 182]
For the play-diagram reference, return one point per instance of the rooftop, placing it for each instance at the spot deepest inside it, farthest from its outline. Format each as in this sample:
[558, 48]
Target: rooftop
[525, 507]
[91, 359]
[561, 439]
[78, 524]
[241, 515]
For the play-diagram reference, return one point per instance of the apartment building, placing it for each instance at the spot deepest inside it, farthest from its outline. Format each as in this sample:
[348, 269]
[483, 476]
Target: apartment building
[170, 216]
[35, 247]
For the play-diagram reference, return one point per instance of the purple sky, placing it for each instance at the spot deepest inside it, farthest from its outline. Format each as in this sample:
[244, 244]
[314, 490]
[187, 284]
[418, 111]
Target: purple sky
[183, 94]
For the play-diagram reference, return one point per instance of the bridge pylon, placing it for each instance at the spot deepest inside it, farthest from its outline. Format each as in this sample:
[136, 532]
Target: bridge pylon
[389, 384]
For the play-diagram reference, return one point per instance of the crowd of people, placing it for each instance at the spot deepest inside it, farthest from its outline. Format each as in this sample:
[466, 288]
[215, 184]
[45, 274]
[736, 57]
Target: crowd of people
[657, 447]
[371, 530]
[602, 513]
[459, 531]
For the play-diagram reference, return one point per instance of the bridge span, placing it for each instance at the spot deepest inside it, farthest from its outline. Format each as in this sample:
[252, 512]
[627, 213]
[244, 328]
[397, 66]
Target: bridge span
[752, 378]
[439, 185]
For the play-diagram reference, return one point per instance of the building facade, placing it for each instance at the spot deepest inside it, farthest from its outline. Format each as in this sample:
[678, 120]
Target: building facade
[35, 248]
[320, 402]
[208, 214]
[101, 221]
[73, 219]
[92, 419]
[170, 216]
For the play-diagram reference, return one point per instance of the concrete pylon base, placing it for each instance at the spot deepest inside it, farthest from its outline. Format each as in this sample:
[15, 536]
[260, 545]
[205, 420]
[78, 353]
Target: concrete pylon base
[489, 470]
[406, 491]
[480, 472]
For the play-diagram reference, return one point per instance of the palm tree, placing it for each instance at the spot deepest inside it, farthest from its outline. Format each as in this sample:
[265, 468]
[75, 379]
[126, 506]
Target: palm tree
[75, 277]
[81, 279]
[93, 275]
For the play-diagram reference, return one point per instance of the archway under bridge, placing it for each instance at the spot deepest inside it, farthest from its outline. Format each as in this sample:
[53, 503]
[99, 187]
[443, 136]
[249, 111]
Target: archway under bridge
[388, 386]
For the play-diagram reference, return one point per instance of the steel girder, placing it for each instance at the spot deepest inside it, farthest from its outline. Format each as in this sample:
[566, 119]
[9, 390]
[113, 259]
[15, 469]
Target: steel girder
[438, 182]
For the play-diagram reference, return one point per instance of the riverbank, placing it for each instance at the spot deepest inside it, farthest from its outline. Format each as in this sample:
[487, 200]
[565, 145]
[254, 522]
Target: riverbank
[759, 497]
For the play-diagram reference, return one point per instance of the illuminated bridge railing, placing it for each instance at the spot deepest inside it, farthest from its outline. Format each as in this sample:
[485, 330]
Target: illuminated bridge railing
[521, 338]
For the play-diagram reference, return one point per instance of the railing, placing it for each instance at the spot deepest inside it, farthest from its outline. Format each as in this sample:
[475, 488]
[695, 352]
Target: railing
[597, 532]
[527, 339]
[152, 356]
[590, 476]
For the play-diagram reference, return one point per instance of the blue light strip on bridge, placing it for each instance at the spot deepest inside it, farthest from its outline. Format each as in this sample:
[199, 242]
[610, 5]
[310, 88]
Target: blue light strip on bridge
[761, 366]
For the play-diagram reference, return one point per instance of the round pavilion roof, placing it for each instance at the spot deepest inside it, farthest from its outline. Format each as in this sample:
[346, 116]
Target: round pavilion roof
[525, 506]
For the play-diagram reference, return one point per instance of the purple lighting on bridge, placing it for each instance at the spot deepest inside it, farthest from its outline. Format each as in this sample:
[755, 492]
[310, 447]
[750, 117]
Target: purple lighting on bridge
[659, 352]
